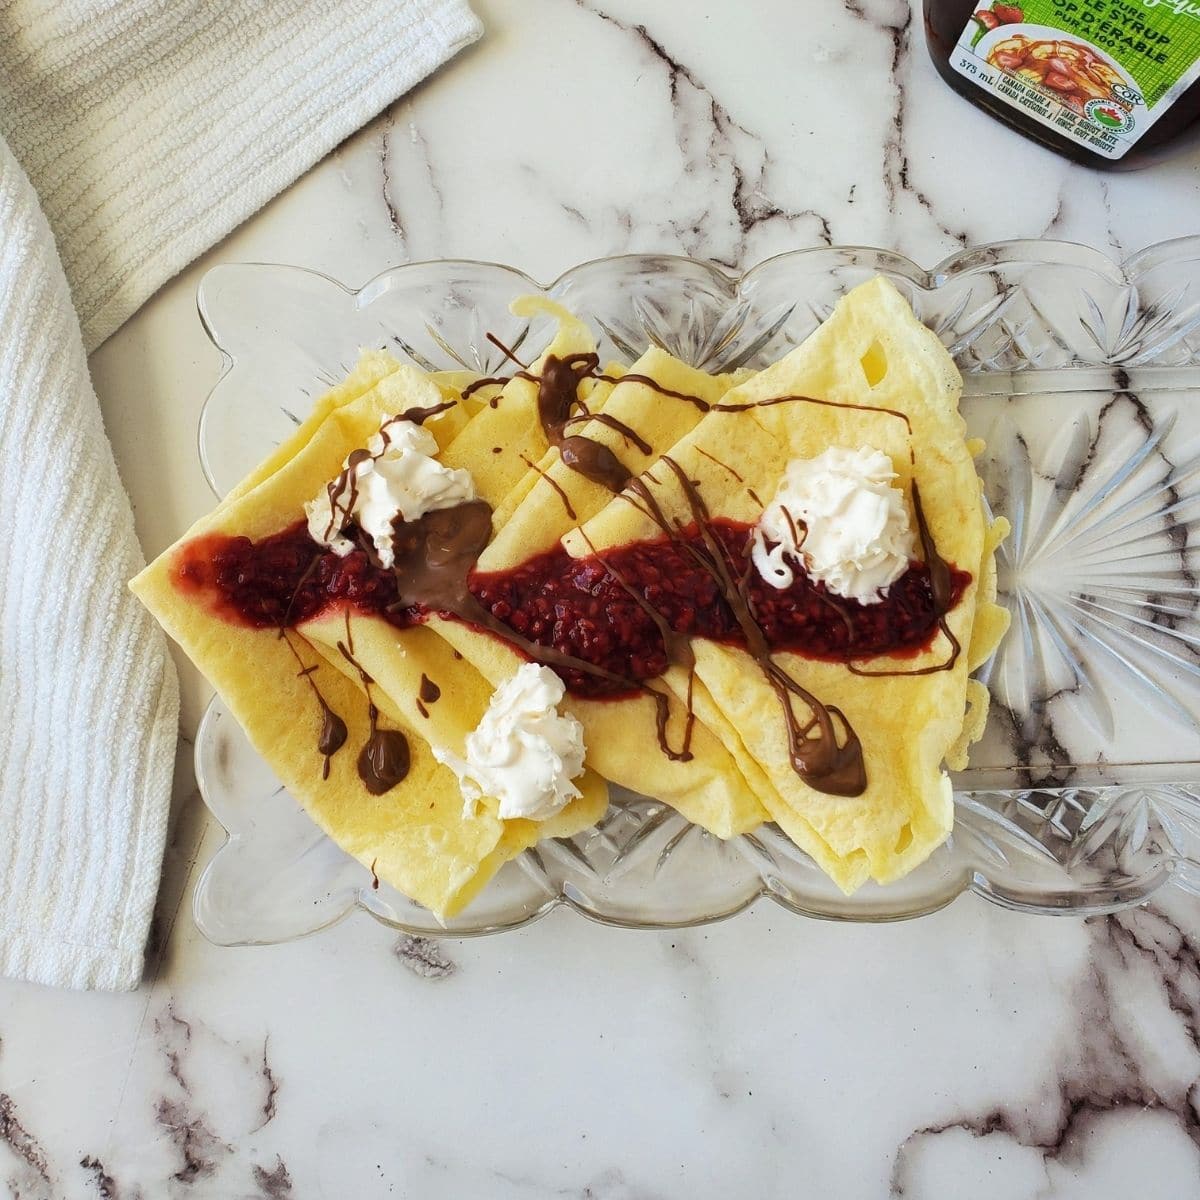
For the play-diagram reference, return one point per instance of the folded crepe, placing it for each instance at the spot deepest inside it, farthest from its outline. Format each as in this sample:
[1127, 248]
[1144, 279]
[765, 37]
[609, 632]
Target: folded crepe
[898, 392]
[540, 499]
[415, 835]
[715, 734]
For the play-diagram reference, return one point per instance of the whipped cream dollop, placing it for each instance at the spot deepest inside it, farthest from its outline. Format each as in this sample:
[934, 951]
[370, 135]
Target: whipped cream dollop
[398, 475]
[524, 752]
[840, 516]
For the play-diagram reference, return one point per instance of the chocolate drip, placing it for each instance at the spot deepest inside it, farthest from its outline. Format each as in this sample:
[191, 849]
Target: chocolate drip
[647, 381]
[507, 351]
[418, 415]
[679, 652]
[592, 372]
[705, 406]
[435, 554]
[771, 401]
[562, 495]
[798, 538]
[723, 465]
[486, 381]
[433, 557]
[347, 479]
[429, 693]
[558, 394]
[558, 390]
[824, 765]
[332, 736]
[384, 760]
[333, 733]
[619, 426]
[594, 461]
[939, 570]
[941, 588]
[586, 366]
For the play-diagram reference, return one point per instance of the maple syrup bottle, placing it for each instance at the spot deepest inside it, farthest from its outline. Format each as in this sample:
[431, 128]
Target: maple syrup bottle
[1113, 84]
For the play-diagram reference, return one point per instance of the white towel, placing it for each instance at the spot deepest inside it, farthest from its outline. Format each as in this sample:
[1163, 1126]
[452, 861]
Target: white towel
[148, 129]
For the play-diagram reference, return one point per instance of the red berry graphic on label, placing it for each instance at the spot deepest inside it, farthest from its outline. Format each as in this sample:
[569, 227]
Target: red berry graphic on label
[1008, 14]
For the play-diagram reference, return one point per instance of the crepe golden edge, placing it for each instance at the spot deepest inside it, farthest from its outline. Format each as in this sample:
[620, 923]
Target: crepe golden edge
[372, 371]
[845, 361]
[256, 675]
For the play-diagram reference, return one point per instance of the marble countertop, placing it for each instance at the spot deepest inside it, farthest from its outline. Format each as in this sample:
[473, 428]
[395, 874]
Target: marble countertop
[972, 1052]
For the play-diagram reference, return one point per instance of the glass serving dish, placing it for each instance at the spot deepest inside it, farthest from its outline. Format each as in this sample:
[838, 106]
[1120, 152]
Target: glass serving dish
[1083, 376]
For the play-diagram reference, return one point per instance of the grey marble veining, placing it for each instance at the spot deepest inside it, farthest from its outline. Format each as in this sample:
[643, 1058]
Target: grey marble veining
[972, 1052]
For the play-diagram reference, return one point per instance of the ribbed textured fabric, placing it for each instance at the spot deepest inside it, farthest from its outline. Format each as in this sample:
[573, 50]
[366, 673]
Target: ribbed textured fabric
[88, 703]
[148, 129]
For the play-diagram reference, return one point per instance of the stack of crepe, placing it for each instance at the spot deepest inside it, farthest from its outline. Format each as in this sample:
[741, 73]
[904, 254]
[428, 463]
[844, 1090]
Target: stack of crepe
[871, 356]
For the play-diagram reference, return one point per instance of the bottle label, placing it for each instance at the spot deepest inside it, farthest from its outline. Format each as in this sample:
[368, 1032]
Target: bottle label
[1099, 72]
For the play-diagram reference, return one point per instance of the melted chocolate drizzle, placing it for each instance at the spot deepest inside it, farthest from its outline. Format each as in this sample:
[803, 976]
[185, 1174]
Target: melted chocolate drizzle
[479, 384]
[434, 555]
[428, 693]
[557, 395]
[384, 759]
[771, 401]
[332, 736]
[941, 587]
[561, 377]
[562, 495]
[347, 479]
[333, 732]
[594, 461]
[723, 465]
[678, 647]
[626, 431]
[824, 765]
[654, 385]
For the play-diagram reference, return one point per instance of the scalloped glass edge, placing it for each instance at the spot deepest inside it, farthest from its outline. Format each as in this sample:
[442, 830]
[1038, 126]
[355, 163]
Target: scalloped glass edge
[1136, 838]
